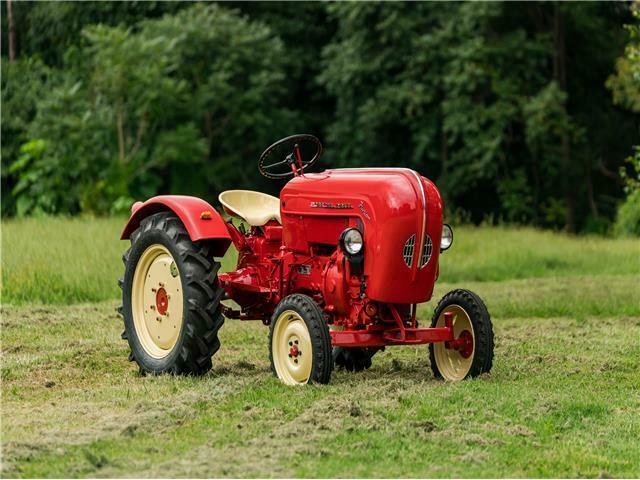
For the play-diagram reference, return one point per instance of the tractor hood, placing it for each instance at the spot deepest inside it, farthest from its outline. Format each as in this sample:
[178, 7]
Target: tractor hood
[398, 211]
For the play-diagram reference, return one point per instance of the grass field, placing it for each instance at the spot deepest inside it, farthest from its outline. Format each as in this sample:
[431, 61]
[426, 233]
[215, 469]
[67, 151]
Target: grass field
[562, 400]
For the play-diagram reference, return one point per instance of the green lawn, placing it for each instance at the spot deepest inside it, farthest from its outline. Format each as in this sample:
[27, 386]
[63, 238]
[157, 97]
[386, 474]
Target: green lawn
[562, 400]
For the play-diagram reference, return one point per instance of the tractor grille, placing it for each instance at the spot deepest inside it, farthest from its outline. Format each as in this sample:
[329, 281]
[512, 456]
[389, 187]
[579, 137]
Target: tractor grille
[407, 251]
[426, 252]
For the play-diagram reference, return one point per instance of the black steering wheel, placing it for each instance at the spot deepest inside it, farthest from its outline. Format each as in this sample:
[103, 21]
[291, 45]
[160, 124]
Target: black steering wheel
[295, 149]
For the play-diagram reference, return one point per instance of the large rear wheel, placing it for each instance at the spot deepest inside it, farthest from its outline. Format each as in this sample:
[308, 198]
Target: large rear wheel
[472, 353]
[170, 299]
[353, 359]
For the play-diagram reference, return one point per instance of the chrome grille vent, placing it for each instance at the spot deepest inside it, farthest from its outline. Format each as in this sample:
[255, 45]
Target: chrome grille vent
[407, 251]
[426, 252]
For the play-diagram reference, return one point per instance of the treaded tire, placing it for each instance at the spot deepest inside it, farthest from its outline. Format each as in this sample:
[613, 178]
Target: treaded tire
[353, 359]
[314, 319]
[202, 318]
[482, 326]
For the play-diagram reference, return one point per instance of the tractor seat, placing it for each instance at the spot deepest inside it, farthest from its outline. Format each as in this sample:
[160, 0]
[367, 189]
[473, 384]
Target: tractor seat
[255, 208]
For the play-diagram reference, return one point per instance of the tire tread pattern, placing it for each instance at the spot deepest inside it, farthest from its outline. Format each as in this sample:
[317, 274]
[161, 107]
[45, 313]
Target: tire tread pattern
[353, 359]
[202, 317]
[482, 326]
[313, 317]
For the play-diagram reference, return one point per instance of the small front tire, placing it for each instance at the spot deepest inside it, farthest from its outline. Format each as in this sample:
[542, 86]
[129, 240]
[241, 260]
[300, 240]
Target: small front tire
[472, 322]
[299, 342]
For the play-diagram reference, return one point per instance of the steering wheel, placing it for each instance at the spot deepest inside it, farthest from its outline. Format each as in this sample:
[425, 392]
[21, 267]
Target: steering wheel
[299, 147]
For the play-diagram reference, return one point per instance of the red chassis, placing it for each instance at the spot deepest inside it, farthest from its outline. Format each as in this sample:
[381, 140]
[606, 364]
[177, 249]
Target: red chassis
[362, 247]
[268, 271]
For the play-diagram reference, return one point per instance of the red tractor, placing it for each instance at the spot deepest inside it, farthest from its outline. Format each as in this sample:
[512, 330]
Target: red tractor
[336, 267]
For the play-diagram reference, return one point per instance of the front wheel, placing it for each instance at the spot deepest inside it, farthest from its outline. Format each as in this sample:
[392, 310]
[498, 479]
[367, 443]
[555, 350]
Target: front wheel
[473, 352]
[299, 342]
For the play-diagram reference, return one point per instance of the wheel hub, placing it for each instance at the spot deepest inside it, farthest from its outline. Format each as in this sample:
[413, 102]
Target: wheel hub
[465, 344]
[455, 358]
[162, 301]
[294, 349]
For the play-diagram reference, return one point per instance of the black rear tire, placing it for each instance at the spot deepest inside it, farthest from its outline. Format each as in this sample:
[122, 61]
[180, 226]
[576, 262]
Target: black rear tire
[353, 359]
[197, 340]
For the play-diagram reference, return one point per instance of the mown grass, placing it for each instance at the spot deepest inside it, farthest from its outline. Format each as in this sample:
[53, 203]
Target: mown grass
[70, 260]
[561, 401]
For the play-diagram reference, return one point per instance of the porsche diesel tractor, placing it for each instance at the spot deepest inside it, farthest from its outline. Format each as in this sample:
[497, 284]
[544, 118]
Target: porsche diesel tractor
[335, 267]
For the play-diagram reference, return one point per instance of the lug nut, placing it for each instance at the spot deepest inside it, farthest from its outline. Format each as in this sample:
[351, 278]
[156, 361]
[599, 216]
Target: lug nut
[295, 360]
[152, 307]
[153, 289]
[291, 344]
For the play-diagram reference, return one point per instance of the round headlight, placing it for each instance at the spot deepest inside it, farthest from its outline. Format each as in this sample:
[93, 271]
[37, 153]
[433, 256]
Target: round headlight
[447, 237]
[351, 241]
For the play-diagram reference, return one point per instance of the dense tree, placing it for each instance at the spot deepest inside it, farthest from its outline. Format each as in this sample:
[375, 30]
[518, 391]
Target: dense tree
[150, 110]
[504, 105]
[625, 85]
[484, 98]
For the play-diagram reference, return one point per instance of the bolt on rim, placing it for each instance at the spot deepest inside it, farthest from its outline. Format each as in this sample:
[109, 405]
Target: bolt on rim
[157, 301]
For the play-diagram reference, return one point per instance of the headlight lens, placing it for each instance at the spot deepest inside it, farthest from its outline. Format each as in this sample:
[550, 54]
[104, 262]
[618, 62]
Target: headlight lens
[447, 237]
[351, 241]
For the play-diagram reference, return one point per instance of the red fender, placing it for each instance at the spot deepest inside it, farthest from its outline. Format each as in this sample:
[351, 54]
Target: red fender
[200, 219]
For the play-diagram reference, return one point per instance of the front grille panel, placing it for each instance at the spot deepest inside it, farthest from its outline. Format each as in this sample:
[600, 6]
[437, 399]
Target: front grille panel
[427, 250]
[407, 251]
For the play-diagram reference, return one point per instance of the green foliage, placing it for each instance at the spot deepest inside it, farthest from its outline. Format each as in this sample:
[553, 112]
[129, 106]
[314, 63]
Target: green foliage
[137, 109]
[625, 85]
[625, 82]
[628, 217]
[467, 94]
[23, 82]
[135, 99]
[516, 198]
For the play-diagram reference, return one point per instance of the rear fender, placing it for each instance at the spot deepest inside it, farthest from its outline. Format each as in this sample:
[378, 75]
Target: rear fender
[200, 219]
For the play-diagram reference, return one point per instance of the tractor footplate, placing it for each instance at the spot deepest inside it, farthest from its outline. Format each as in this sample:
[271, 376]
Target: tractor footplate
[396, 336]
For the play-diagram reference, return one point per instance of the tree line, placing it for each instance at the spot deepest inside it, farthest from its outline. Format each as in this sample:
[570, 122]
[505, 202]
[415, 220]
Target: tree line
[523, 112]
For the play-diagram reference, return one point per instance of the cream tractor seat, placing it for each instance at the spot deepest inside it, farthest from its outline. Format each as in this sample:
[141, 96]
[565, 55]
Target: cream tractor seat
[255, 208]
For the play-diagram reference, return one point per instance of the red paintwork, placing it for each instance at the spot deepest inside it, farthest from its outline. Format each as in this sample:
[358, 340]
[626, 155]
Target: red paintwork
[188, 210]
[381, 338]
[162, 301]
[464, 342]
[374, 308]
[387, 203]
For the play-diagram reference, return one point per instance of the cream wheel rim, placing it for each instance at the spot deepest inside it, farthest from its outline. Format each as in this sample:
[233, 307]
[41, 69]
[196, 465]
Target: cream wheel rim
[451, 363]
[291, 349]
[156, 301]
